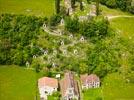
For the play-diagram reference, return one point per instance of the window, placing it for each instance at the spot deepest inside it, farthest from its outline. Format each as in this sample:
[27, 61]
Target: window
[46, 92]
[70, 91]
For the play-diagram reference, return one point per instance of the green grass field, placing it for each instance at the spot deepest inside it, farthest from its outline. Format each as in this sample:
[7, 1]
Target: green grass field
[17, 83]
[115, 88]
[28, 7]
[92, 94]
[125, 25]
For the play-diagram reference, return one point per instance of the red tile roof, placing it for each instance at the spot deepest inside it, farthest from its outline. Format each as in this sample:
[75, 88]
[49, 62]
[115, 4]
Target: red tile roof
[89, 78]
[46, 81]
[69, 82]
[83, 78]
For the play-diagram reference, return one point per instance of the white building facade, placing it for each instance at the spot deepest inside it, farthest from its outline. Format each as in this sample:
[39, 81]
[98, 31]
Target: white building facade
[47, 86]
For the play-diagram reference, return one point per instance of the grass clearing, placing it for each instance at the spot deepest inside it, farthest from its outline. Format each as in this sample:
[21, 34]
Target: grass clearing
[115, 88]
[125, 25]
[92, 94]
[17, 83]
[28, 7]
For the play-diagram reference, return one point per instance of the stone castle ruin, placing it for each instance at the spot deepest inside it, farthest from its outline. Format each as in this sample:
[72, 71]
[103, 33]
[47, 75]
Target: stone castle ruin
[69, 9]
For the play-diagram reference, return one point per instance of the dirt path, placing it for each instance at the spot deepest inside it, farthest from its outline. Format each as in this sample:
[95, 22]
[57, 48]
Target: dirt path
[113, 17]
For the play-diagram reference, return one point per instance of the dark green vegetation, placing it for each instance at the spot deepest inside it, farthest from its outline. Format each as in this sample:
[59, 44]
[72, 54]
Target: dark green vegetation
[57, 6]
[18, 33]
[94, 28]
[125, 5]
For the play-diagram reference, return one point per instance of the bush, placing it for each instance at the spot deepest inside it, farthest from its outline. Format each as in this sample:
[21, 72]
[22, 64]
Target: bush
[131, 9]
[111, 3]
[72, 25]
[96, 28]
[54, 20]
[125, 5]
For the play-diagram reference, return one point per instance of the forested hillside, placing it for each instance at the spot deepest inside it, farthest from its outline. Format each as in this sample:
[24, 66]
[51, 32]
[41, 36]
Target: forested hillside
[17, 34]
[46, 38]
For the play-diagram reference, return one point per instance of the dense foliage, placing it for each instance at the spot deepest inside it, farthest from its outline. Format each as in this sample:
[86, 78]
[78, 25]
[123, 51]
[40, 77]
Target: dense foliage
[94, 28]
[57, 6]
[17, 32]
[54, 20]
[72, 25]
[21, 38]
[104, 57]
[125, 5]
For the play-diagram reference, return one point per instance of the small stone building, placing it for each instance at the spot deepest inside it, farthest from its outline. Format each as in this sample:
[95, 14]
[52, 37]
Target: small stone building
[68, 6]
[90, 81]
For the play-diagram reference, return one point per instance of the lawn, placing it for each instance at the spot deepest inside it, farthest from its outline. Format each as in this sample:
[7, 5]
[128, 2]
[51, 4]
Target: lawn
[17, 83]
[92, 94]
[115, 88]
[125, 25]
[28, 7]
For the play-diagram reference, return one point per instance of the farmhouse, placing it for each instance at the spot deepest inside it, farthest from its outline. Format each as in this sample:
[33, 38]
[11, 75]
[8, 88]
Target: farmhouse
[90, 81]
[69, 87]
[47, 86]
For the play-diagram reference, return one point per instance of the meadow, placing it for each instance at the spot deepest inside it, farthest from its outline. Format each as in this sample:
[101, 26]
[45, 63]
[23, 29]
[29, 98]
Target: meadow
[17, 83]
[125, 25]
[115, 87]
[28, 7]
[92, 94]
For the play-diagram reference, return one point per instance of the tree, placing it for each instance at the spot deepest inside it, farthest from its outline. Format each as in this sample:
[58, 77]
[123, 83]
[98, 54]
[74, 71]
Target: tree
[81, 5]
[96, 28]
[73, 3]
[57, 6]
[72, 25]
[121, 4]
[97, 7]
[104, 58]
[125, 5]
[111, 3]
[16, 34]
[83, 68]
[54, 20]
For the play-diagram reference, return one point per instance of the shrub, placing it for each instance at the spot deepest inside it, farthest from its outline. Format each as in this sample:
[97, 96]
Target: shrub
[72, 25]
[54, 20]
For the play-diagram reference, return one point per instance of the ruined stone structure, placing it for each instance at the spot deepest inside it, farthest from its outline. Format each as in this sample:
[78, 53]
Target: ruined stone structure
[68, 6]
